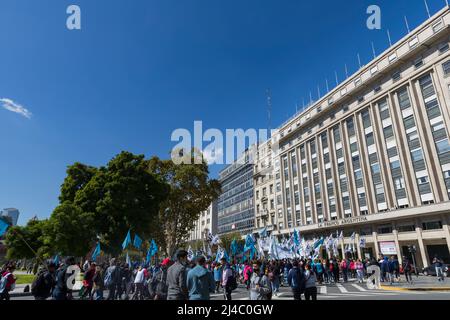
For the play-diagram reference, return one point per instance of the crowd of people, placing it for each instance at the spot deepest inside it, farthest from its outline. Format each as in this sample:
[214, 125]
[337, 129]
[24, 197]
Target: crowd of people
[199, 277]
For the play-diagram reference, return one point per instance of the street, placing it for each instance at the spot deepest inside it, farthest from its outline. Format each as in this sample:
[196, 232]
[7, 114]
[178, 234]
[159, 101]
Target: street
[342, 291]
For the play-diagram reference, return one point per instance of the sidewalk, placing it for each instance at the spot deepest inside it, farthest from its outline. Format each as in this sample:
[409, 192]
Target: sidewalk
[420, 283]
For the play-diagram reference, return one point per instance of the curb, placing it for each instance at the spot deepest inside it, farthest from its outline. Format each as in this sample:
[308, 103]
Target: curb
[28, 294]
[415, 289]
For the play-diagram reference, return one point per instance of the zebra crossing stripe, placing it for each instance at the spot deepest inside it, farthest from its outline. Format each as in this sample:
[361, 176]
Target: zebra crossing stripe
[358, 287]
[322, 290]
[341, 288]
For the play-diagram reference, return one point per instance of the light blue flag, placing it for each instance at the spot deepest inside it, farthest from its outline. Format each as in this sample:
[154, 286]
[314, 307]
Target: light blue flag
[234, 247]
[296, 238]
[249, 243]
[153, 248]
[96, 252]
[56, 260]
[3, 227]
[127, 240]
[128, 261]
[137, 242]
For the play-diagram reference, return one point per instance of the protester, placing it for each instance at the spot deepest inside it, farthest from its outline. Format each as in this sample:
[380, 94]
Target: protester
[88, 281]
[218, 276]
[159, 280]
[98, 284]
[406, 266]
[112, 278]
[176, 278]
[310, 283]
[227, 279]
[7, 282]
[296, 281]
[260, 288]
[43, 286]
[200, 281]
[61, 290]
[438, 266]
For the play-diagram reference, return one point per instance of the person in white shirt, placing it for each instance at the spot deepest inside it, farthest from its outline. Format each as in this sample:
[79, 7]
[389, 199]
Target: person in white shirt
[139, 282]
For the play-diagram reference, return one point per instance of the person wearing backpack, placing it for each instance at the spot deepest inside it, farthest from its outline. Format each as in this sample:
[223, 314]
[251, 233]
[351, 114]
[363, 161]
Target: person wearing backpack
[310, 283]
[61, 291]
[296, 281]
[44, 283]
[112, 278]
[260, 288]
[200, 281]
[7, 282]
[160, 281]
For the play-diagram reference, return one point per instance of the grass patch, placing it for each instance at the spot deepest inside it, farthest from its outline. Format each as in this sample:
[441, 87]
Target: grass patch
[25, 278]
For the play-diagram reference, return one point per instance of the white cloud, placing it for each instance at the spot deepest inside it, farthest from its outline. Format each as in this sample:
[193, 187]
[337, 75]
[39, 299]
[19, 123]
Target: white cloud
[214, 156]
[12, 106]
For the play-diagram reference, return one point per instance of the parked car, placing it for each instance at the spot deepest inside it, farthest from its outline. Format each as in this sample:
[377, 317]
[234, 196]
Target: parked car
[431, 270]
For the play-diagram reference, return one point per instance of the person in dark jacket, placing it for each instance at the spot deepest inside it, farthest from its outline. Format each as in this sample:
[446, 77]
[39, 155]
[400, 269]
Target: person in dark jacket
[296, 281]
[200, 281]
[159, 281]
[176, 278]
[62, 291]
[42, 288]
[112, 278]
[98, 283]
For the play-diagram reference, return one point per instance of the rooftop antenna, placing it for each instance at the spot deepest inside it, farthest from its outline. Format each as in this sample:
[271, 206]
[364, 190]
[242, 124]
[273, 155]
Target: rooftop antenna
[303, 101]
[373, 51]
[269, 109]
[318, 92]
[407, 25]
[428, 9]
[346, 71]
[446, 2]
[336, 76]
[359, 60]
[310, 97]
[389, 37]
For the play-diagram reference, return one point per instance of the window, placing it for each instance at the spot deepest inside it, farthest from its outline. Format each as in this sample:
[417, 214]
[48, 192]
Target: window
[443, 146]
[446, 68]
[422, 180]
[379, 189]
[395, 164]
[370, 139]
[399, 183]
[330, 101]
[432, 225]
[345, 109]
[385, 229]
[417, 155]
[407, 228]
[418, 63]
[375, 168]
[443, 47]
[396, 76]
[361, 99]
[377, 89]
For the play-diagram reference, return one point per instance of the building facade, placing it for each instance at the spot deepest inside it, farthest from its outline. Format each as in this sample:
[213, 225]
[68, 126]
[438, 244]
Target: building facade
[11, 214]
[373, 155]
[267, 190]
[206, 223]
[235, 204]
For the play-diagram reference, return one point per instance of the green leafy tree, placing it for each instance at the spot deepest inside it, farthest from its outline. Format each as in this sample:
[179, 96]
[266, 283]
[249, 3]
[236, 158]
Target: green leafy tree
[70, 230]
[191, 192]
[78, 175]
[26, 241]
[123, 195]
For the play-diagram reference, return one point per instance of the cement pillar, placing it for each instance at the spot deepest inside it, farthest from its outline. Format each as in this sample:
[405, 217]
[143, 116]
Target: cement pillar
[397, 246]
[358, 249]
[375, 242]
[446, 228]
[422, 248]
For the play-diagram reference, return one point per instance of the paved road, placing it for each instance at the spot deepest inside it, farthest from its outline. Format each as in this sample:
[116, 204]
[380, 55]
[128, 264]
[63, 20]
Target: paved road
[349, 291]
[342, 291]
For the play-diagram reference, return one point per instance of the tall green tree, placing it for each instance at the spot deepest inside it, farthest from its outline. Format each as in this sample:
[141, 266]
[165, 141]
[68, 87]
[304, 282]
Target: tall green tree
[70, 230]
[26, 241]
[191, 192]
[123, 195]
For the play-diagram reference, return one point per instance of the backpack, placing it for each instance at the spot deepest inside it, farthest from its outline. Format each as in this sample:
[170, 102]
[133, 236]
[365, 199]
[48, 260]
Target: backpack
[231, 282]
[37, 283]
[4, 282]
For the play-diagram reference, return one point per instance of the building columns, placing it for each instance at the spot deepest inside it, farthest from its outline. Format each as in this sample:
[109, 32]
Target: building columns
[358, 249]
[375, 243]
[397, 246]
[422, 248]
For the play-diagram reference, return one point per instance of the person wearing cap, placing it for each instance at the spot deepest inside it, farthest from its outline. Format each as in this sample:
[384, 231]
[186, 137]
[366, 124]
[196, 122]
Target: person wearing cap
[176, 278]
[159, 286]
[200, 281]
[45, 282]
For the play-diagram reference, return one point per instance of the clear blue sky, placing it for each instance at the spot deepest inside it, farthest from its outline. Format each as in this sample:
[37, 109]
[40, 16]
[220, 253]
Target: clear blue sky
[140, 69]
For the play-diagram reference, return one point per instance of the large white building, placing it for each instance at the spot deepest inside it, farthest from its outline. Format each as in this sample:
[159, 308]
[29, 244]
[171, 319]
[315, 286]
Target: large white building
[372, 157]
[206, 223]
